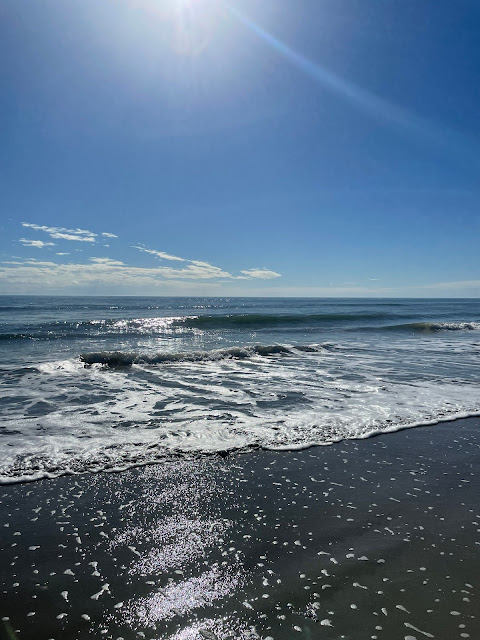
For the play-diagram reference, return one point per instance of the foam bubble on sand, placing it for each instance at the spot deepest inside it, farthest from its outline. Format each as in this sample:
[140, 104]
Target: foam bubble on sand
[424, 633]
[105, 587]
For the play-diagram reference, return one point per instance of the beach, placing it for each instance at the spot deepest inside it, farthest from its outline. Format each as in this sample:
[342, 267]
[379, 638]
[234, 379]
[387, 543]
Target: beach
[365, 539]
[239, 320]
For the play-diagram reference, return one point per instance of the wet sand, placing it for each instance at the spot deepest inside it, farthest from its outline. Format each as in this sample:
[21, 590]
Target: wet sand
[373, 539]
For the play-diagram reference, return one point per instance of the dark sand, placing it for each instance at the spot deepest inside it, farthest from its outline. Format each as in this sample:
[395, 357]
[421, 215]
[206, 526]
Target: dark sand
[374, 539]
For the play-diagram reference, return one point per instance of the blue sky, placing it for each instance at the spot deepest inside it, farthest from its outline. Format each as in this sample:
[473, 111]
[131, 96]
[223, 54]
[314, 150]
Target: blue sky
[257, 147]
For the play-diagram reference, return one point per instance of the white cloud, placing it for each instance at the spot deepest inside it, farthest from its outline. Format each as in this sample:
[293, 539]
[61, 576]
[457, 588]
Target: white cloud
[104, 273]
[199, 263]
[195, 271]
[80, 235]
[159, 254]
[262, 274]
[70, 236]
[200, 270]
[40, 263]
[31, 276]
[36, 243]
[107, 261]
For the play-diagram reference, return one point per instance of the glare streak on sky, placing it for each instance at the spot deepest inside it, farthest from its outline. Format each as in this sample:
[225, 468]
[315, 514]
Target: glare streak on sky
[363, 99]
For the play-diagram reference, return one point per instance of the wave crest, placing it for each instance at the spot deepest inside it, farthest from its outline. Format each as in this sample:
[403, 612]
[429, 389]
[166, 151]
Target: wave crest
[123, 359]
[259, 320]
[436, 326]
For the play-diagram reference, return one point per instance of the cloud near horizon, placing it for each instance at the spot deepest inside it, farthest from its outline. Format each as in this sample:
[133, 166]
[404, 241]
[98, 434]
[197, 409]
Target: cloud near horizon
[264, 274]
[198, 269]
[29, 275]
[34, 276]
[106, 276]
[194, 269]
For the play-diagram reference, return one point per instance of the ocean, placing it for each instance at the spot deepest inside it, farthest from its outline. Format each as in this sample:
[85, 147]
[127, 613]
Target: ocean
[91, 384]
[225, 523]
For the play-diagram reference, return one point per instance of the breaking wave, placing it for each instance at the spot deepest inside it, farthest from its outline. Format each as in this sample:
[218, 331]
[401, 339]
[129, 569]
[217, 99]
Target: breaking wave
[435, 326]
[121, 359]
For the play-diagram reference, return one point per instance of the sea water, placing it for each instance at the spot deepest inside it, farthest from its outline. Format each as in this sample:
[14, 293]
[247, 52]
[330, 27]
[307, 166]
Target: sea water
[89, 384]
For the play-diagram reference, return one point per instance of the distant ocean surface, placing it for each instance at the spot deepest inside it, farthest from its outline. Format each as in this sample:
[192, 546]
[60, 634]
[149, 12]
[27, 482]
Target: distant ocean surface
[88, 384]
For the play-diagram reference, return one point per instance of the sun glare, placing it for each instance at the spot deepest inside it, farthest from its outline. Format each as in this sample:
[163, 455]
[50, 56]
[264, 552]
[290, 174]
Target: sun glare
[186, 4]
[193, 22]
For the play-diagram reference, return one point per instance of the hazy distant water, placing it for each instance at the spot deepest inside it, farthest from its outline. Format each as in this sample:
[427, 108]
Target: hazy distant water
[92, 383]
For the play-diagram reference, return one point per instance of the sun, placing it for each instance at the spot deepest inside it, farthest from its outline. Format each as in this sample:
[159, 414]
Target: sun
[185, 3]
[190, 5]
[192, 22]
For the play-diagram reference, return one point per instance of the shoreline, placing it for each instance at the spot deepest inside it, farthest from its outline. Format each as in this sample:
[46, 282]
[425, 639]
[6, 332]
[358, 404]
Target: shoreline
[366, 538]
[167, 455]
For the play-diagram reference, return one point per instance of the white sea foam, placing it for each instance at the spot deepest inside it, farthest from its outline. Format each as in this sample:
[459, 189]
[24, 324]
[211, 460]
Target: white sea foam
[446, 326]
[64, 418]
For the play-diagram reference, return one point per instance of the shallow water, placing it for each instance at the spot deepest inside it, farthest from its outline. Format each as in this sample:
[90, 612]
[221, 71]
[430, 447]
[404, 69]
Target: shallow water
[95, 383]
